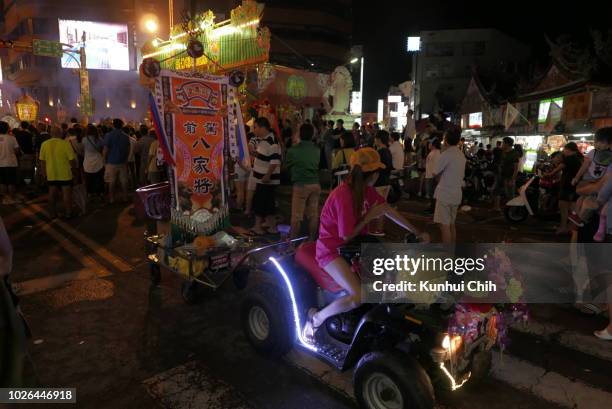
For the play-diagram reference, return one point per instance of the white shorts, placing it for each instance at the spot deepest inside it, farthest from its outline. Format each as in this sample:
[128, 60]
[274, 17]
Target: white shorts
[445, 214]
[242, 175]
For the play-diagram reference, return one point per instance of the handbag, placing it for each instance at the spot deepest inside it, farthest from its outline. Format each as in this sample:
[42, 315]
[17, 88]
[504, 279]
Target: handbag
[344, 166]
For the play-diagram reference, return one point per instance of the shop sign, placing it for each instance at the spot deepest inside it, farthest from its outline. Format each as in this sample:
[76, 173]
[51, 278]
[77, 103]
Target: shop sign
[296, 87]
[46, 48]
[475, 120]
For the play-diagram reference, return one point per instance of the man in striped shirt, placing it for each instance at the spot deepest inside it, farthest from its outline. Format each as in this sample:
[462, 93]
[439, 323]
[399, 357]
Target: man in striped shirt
[266, 172]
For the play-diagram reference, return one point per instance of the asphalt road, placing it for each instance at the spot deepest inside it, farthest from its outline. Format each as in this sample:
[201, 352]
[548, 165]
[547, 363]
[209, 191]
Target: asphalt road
[100, 326]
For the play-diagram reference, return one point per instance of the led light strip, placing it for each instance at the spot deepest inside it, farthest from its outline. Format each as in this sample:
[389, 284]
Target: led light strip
[296, 315]
[454, 385]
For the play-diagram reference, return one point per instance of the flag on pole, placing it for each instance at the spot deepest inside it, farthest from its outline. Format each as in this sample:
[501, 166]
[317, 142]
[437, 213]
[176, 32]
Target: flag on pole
[243, 149]
[159, 130]
[554, 115]
[511, 114]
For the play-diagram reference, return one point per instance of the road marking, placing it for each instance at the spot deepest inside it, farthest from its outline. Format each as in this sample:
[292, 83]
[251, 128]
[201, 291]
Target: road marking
[549, 386]
[69, 246]
[189, 386]
[101, 251]
[46, 283]
[586, 344]
[519, 374]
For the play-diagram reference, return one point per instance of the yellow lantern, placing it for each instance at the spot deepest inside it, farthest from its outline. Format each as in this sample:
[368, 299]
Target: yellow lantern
[27, 108]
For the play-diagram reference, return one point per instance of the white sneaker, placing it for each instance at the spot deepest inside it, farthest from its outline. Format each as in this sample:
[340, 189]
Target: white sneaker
[603, 334]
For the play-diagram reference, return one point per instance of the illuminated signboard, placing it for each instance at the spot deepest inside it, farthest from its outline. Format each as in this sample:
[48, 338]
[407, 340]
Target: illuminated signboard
[106, 44]
[413, 44]
[545, 107]
[475, 120]
[355, 103]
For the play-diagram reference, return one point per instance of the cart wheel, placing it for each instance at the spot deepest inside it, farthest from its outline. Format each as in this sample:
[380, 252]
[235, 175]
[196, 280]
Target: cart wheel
[189, 292]
[155, 272]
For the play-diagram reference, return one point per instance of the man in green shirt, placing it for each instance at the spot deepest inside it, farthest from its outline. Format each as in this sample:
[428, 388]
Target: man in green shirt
[303, 163]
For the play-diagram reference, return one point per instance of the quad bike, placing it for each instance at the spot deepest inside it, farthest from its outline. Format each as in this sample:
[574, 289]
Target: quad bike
[399, 352]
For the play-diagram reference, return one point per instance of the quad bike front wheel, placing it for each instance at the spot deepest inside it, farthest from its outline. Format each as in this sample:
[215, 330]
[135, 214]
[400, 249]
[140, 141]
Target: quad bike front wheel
[265, 320]
[392, 380]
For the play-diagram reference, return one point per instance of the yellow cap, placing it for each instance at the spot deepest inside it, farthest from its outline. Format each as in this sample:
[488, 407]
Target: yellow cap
[368, 159]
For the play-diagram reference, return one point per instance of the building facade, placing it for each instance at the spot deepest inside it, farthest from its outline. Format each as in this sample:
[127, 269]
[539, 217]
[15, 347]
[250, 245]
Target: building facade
[112, 46]
[446, 59]
[313, 34]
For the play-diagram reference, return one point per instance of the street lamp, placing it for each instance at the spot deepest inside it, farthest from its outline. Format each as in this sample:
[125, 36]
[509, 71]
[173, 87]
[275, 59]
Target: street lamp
[413, 46]
[150, 23]
[358, 108]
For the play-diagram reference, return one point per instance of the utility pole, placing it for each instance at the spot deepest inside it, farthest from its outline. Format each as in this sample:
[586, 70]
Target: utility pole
[86, 104]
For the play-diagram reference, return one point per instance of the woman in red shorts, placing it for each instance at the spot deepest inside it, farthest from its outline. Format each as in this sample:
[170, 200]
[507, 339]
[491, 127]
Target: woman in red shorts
[345, 215]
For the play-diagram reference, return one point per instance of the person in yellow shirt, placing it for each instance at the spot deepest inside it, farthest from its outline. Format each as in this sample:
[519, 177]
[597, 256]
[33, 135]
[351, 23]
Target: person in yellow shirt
[342, 157]
[57, 162]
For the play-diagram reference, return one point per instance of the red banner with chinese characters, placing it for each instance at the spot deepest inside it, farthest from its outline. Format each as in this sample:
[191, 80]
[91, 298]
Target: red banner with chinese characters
[196, 122]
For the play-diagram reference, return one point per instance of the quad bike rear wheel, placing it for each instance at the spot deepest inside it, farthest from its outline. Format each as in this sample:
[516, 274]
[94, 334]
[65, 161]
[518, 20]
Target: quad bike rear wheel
[265, 320]
[392, 380]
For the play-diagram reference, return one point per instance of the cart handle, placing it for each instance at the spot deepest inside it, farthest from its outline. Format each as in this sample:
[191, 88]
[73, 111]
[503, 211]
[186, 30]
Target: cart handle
[258, 249]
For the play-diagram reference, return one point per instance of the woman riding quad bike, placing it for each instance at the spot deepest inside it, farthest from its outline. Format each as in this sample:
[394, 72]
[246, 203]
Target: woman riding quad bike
[311, 298]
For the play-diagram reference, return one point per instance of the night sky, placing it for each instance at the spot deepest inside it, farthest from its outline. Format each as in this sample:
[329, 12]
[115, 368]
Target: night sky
[383, 29]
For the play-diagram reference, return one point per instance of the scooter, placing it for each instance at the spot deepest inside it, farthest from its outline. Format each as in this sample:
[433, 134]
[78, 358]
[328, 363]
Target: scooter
[398, 352]
[518, 209]
[534, 198]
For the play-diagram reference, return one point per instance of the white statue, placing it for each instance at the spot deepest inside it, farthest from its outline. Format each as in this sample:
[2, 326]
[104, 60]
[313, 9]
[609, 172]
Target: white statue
[340, 88]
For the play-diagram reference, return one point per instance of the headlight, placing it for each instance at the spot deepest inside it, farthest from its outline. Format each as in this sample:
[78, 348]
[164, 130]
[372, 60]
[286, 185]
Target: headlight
[452, 344]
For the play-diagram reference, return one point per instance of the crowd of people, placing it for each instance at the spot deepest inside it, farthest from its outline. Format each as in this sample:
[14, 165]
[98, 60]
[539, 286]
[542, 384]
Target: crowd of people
[104, 162]
[79, 163]
[364, 159]
[306, 148]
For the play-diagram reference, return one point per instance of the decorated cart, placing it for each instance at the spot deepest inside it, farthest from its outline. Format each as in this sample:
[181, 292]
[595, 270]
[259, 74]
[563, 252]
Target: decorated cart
[196, 111]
